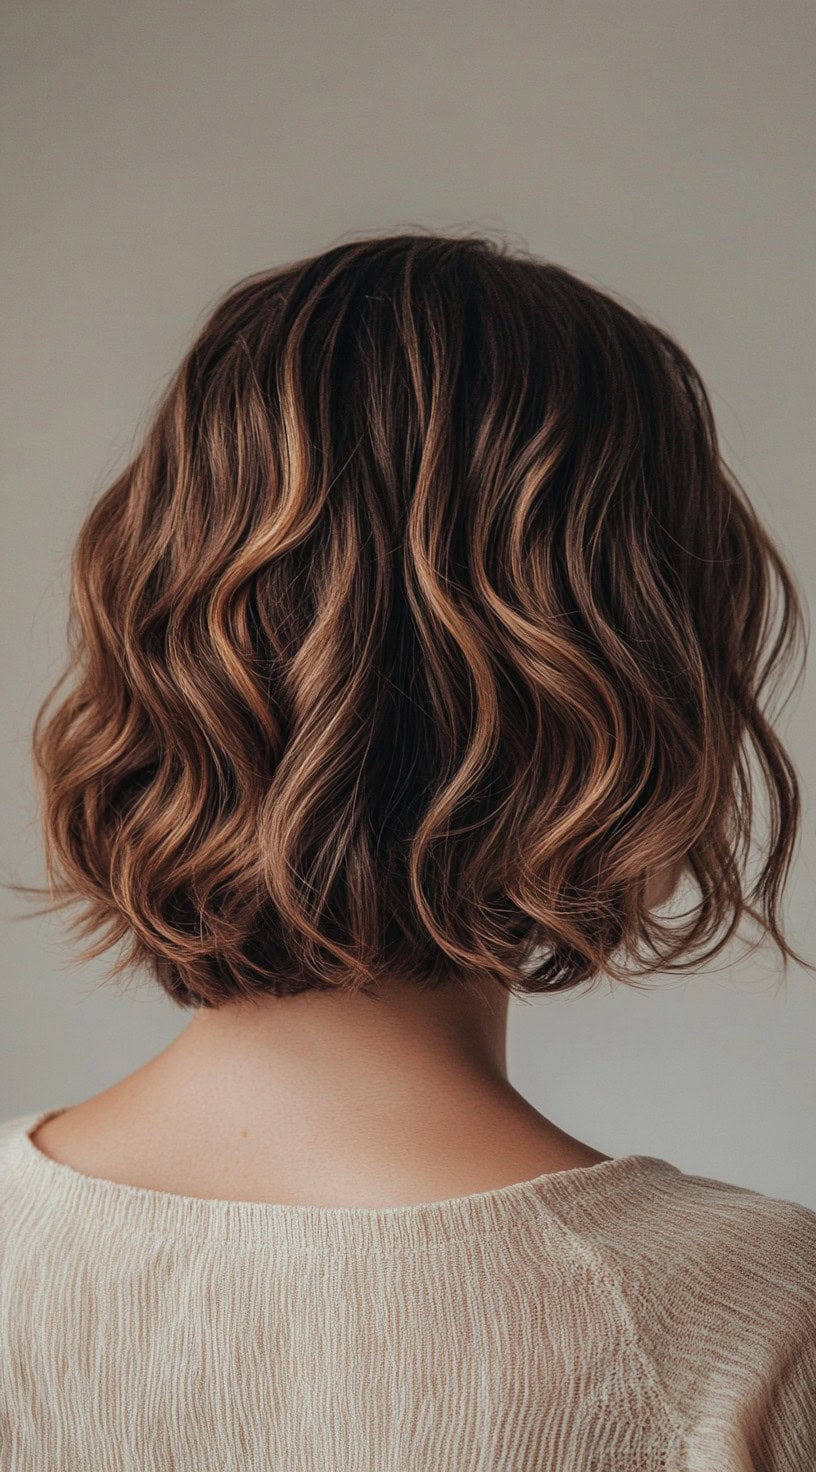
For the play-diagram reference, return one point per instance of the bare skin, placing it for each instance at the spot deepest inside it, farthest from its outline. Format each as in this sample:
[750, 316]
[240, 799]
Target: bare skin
[324, 1100]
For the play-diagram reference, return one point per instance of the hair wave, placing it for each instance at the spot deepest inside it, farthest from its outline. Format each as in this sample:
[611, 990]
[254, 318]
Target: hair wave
[426, 626]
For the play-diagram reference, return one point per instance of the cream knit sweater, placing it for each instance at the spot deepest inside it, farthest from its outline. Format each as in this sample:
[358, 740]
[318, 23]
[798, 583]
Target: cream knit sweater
[621, 1317]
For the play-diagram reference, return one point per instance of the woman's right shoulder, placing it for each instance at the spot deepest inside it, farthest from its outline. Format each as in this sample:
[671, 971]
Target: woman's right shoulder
[747, 1228]
[712, 1226]
[716, 1285]
[718, 1279]
[699, 1260]
[761, 1249]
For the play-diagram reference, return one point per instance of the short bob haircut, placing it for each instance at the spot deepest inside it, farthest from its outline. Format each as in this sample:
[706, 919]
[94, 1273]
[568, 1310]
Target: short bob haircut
[425, 628]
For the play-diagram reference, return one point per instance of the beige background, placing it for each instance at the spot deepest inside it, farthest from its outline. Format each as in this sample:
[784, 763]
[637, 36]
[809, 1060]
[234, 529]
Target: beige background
[155, 153]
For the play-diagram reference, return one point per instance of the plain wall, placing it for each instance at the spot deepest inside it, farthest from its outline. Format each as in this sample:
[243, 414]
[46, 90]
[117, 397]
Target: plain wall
[154, 154]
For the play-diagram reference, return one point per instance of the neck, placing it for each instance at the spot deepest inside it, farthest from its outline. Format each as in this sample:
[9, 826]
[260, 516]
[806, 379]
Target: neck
[328, 1096]
[323, 1050]
[409, 1085]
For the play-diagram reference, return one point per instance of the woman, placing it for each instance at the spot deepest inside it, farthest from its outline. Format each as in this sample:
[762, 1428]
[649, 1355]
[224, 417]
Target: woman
[418, 654]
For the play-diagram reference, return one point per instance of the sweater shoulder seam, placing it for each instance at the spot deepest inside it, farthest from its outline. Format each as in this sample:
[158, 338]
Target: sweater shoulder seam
[607, 1275]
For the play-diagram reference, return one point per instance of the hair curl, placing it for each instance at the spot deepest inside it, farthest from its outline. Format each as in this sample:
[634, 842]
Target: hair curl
[426, 626]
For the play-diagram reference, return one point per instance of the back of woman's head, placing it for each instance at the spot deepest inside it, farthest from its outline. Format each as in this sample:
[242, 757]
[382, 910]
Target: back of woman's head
[424, 629]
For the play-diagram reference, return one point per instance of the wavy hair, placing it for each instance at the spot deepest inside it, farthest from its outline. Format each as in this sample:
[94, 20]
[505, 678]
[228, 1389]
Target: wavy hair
[426, 626]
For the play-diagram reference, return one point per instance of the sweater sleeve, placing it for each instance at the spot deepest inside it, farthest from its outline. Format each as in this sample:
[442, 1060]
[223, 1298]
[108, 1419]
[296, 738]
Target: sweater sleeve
[719, 1284]
[785, 1436]
[742, 1346]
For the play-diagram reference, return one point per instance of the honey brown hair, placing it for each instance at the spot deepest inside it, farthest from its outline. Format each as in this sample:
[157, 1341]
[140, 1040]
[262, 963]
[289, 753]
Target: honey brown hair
[424, 628]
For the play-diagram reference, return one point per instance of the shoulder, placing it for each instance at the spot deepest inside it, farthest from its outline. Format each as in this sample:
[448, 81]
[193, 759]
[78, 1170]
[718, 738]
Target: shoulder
[760, 1246]
[768, 1232]
[13, 1131]
[732, 1245]
[698, 1260]
[16, 1159]
[717, 1283]
[748, 1261]
[742, 1351]
[17, 1126]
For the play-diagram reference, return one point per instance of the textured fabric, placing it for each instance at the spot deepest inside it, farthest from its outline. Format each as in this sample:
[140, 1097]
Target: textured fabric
[621, 1317]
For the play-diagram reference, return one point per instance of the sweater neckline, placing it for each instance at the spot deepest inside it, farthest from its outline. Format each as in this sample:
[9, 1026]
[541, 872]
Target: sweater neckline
[301, 1227]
